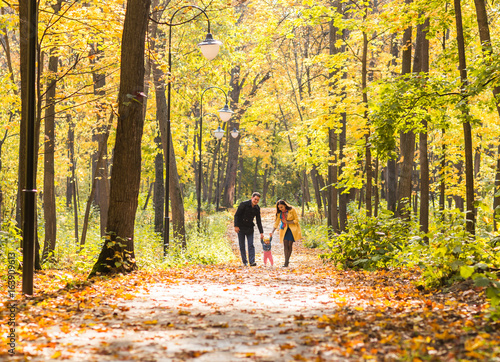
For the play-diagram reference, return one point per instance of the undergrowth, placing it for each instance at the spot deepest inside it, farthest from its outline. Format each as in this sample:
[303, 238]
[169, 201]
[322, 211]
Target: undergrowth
[207, 245]
[445, 255]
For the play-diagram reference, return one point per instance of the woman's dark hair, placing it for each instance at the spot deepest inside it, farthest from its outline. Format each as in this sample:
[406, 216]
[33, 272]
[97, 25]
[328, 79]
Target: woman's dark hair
[282, 202]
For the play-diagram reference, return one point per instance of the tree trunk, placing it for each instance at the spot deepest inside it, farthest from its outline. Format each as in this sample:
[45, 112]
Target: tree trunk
[159, 188]
[210, 199]
[240, 176]
[322, 192]
[442, 180]
[6, 46]
[265, 185]
[333, 220]
[255, 175]
[236, 86]
[49, 196]
[303, 187]
[496, 198]
[314, 179]
[71, 191]
[100, 160]
[485, 37]
[423, 149]
[150, 190]
[229, 185]
[469, 162]
[368, 153]
[23, 65]
[117, 254]
[407, 138]
[196, 169]
[71, 149]
[1, 190]
[175, 191]
[306, 195]
[376, 188]
[392, 177]
[100, 168]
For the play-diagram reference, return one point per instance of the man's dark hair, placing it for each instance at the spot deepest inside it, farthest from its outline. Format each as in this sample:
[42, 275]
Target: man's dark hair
[256, 194]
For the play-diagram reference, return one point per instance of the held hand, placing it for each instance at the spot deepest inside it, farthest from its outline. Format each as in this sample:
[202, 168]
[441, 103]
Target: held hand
[261, 236]
[236, 229]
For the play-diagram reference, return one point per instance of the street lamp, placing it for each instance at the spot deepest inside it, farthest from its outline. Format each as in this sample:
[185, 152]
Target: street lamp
[209, 48]
[218, 133]
[224, 114]
[235, 133]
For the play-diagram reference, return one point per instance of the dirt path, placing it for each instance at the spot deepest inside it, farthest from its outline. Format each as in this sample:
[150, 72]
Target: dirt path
[307, 312]
[214, 313]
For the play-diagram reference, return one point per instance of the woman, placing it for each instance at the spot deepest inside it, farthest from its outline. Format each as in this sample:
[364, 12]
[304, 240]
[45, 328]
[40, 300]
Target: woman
[287, 221]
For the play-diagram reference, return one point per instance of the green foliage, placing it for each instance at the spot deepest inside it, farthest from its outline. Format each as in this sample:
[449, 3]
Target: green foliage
[441, 258]
[370, 242]
[314, 230]
[447, 254]
[207, 246]
[403, 103]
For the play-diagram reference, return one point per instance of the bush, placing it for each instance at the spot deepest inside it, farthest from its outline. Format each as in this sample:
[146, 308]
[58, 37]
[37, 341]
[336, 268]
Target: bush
[370, 242]
[208, 246]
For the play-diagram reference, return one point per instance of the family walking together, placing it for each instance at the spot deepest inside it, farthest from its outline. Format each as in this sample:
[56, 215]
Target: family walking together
[286, 221]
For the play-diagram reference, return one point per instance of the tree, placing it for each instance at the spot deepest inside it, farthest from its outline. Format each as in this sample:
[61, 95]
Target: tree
[49, 194]
[117, 254]
[178, 219]
[423, 150]
[407, 136]
[236, 83]
[486, 47]
[469, 163]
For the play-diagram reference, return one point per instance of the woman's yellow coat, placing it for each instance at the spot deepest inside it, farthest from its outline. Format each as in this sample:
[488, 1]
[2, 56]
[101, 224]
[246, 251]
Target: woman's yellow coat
[295, 227]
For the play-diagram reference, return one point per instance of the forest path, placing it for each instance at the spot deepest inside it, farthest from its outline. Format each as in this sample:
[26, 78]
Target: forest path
[307, 312]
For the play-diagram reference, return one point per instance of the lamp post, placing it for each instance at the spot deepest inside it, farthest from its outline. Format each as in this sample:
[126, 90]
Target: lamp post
[29, 192]
[224, 114]
[209, 48]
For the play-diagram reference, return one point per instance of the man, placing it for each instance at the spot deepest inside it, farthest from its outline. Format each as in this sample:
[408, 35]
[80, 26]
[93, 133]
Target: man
[244, 226]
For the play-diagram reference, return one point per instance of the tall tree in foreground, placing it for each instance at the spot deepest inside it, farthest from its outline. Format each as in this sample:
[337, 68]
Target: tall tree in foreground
[117, 254]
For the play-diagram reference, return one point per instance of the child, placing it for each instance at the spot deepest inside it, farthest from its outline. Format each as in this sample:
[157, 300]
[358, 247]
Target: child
[266, 246]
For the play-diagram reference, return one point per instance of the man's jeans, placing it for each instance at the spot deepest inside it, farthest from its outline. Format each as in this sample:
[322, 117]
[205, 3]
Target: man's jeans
[251, 248]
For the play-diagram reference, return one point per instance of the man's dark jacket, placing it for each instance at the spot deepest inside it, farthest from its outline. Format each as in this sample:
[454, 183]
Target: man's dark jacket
[243, 218]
